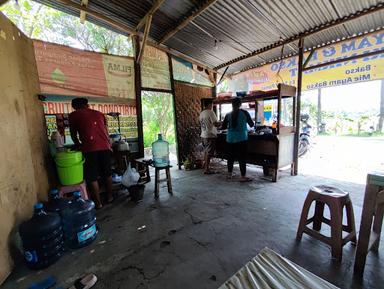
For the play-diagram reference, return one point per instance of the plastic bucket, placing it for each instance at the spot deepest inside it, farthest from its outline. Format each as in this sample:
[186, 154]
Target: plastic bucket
[68, 158]
[70, 174]
[136, 192]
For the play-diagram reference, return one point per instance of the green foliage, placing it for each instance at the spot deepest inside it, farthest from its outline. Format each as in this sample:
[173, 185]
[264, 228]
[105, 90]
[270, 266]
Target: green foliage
[223, 86]
[341, 122]
[44, 23]
[158, 117]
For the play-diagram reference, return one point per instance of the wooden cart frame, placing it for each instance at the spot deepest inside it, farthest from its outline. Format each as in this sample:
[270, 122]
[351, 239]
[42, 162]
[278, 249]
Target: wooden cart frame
[272, 152]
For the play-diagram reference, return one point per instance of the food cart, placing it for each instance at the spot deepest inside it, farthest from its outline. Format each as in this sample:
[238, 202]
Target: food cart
[273, 150]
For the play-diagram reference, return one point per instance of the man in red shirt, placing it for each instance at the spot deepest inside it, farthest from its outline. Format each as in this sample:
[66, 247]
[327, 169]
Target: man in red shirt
[91, 127]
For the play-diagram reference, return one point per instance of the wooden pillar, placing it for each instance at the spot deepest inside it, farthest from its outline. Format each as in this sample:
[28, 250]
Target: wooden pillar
[298, 104]
[214, 88]
[170, 65]
[279, 110]
[139, 111]
[381, 115]
[319, 120]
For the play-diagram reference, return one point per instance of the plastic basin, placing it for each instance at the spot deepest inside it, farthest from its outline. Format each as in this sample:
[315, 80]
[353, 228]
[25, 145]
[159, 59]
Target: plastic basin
[70, 174]
[68, 158]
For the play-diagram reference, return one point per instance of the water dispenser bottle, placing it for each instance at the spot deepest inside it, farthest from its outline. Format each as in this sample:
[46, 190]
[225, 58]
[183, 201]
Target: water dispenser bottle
[42, 238]
[56, 204]
[79, 222]
[160, 151]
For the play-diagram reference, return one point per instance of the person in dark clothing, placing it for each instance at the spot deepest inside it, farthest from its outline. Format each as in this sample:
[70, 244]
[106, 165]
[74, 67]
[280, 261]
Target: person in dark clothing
[236, 121]
[91, 127]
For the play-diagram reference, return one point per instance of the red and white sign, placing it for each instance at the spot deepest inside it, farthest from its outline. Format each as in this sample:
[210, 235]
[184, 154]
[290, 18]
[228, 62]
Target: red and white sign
[73, 72]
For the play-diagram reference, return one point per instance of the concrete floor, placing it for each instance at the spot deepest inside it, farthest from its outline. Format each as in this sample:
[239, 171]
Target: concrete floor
[203, 234]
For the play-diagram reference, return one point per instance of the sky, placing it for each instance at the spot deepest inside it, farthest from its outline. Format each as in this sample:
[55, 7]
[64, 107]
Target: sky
[357, 97]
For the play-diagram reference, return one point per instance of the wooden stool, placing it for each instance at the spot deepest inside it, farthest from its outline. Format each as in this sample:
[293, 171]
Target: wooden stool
[373, 211]
[82, 188]
[335, 199]
[157, 180]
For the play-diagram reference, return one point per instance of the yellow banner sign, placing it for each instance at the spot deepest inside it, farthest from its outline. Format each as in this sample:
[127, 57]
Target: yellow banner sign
[345, 72]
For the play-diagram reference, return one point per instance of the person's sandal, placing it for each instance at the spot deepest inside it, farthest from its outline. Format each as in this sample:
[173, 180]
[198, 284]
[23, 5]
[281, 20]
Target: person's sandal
[98, 207]
[85, 282]
[245, 179]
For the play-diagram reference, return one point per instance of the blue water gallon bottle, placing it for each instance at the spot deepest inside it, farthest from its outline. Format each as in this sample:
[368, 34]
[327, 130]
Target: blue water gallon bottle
[56, 204]
[79, 222]
[42, 238]
[160, 152]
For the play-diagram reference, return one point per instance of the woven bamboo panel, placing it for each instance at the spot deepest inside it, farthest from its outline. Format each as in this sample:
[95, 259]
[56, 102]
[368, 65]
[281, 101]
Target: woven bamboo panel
[188, 107]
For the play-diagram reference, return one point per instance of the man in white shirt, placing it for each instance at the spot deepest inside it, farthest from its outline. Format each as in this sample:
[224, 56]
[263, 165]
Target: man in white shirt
[208, 121]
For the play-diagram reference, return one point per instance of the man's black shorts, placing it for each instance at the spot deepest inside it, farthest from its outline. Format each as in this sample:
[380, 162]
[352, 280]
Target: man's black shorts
[97, 164]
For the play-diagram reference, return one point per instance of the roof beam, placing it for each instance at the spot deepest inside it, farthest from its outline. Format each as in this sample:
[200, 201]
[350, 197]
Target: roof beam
[322, 27]
[313, 49]
[151, 11]
[146, 33]
[125, 29]
[184, 22]
[353, 57]
[99, 16]
[83, 14]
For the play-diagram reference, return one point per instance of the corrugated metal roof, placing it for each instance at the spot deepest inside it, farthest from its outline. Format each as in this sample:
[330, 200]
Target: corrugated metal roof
[237, 26]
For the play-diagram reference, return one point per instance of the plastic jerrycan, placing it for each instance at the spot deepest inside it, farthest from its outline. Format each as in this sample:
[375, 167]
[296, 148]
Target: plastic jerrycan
[79, 222]
[42, 237]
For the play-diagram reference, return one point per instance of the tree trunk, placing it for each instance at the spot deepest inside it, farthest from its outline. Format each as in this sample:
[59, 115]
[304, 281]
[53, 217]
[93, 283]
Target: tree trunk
[319, 110]
[381, 116]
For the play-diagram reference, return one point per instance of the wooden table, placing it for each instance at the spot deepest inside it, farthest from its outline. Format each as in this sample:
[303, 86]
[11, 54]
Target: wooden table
[373, 210]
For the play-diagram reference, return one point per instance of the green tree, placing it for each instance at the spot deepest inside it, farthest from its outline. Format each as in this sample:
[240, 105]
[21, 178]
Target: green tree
[158, 117]
[44, 23]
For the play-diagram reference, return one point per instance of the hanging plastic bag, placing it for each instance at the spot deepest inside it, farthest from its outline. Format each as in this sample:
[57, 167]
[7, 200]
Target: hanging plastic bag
[130, 177]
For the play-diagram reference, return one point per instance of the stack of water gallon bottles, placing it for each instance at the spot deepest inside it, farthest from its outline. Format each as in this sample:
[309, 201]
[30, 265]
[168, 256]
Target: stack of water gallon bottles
[61, 223]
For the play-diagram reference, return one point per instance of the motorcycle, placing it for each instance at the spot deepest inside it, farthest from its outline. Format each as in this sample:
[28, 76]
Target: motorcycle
[305, 134]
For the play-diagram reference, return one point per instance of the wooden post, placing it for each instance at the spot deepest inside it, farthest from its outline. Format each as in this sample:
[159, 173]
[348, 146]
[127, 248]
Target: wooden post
[214, 88]
[298, 104]
[146, 33]
[278, 110]
[381, 115]
[139, 111]
[318, 110]
[170, 65]
[83, 14]
[151, 11]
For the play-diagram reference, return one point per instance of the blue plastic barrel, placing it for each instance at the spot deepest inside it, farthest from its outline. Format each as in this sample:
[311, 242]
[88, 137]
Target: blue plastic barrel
[42, 238]
[79, 222]
[160, 152]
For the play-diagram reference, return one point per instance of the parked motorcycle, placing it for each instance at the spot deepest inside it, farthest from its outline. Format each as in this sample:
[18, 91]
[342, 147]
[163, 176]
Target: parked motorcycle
[305, 134]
